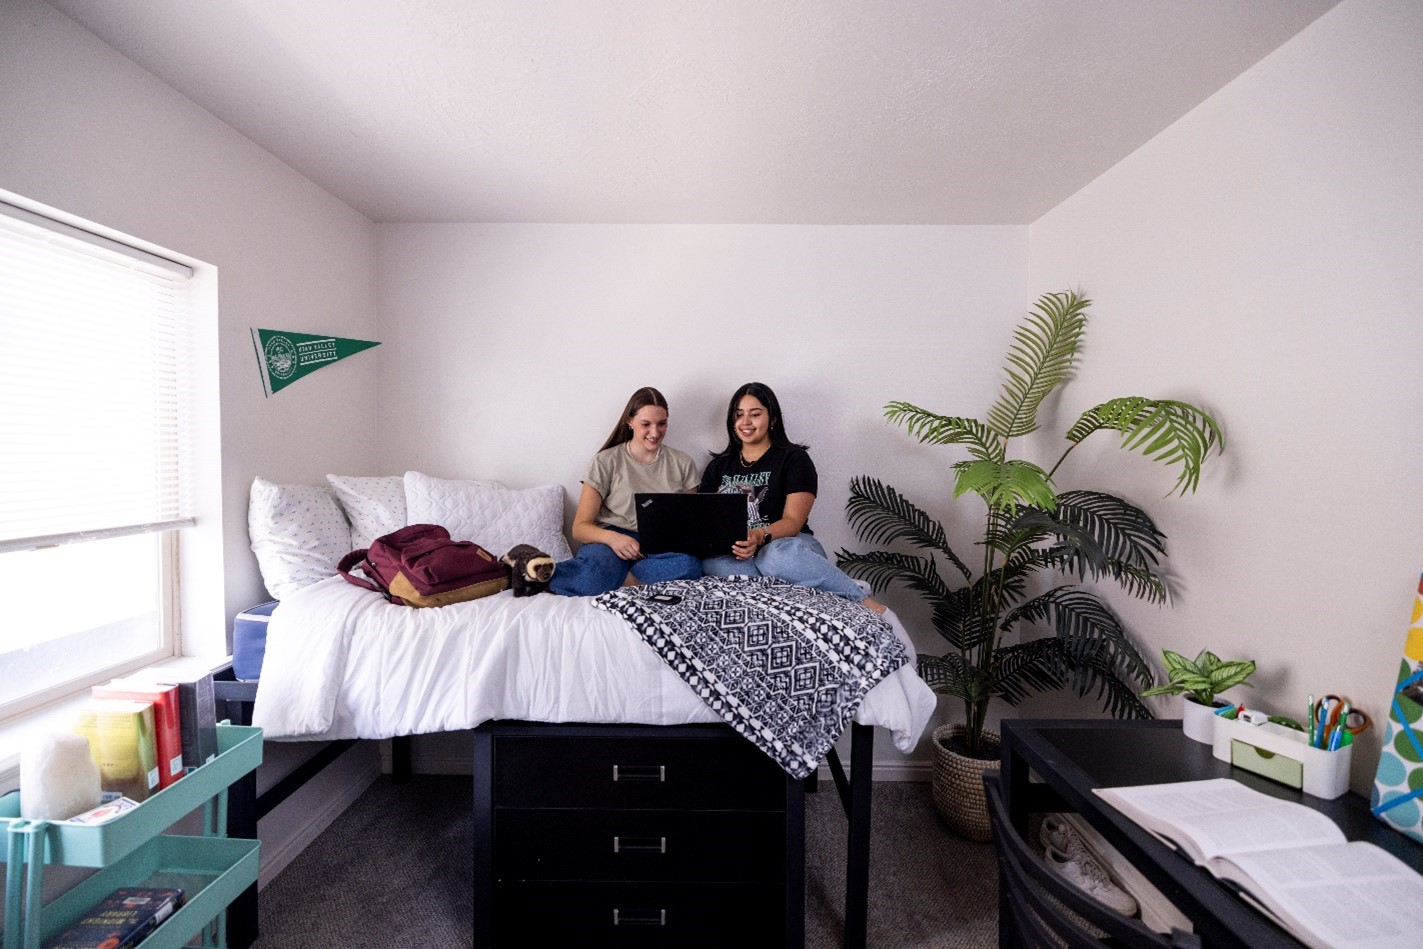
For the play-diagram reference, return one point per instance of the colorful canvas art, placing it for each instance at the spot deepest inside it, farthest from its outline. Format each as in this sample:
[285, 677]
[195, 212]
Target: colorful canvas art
[1397, 797]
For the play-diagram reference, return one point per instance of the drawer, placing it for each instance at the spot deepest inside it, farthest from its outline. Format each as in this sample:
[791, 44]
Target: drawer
[677, 916]
[571, 844]
[726, 771]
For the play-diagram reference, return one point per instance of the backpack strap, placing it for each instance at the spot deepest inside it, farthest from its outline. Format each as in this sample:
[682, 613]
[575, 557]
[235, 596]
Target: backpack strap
[357, 558]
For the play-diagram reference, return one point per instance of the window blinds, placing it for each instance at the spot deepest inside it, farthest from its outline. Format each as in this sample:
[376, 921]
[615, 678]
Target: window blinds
[93, 390]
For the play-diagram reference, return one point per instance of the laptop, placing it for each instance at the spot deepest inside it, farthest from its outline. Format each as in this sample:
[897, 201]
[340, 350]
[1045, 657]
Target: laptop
[704, 525]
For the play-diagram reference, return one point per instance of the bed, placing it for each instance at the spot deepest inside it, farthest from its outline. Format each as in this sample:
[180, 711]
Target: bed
[341, 663]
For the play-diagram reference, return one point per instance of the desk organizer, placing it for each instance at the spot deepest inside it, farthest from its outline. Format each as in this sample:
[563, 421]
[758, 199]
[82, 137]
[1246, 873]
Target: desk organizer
[132, 850]
[1284, 755]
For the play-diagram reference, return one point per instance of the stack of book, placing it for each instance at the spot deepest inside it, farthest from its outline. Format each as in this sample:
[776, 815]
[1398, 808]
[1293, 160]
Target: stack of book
[144, 731]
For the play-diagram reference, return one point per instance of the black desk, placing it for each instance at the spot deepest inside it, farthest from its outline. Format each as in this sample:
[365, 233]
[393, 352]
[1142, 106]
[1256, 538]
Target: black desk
[1071, 757]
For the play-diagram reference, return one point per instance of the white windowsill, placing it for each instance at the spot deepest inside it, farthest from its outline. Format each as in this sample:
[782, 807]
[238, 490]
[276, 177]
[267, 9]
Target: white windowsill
[59, 717]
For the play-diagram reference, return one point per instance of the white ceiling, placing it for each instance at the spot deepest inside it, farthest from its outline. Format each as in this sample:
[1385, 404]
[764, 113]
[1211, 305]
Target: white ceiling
[705, 111]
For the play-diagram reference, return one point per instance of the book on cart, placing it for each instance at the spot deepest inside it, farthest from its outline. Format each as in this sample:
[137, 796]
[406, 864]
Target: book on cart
[196, 712]
[167, 725]
[197, 725]
[123, 744]
[1288, 860]
[121, 920]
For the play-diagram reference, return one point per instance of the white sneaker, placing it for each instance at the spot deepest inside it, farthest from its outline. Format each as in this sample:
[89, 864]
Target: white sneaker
[1060, 836]
[1085, 873]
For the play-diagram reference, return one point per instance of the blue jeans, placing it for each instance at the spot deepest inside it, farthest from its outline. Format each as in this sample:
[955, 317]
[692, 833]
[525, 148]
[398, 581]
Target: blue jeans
[799, 560]
[596, 569]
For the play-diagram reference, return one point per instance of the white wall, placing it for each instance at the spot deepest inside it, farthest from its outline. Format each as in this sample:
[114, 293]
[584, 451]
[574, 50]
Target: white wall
[1262, 257]
[86, 131]
[510, 350]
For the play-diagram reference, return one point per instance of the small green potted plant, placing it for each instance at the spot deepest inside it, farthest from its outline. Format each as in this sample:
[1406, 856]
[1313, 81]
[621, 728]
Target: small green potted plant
[1198, 683]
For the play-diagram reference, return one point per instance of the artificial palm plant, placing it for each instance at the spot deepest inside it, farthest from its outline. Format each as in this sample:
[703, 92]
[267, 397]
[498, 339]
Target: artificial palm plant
[1032, 533]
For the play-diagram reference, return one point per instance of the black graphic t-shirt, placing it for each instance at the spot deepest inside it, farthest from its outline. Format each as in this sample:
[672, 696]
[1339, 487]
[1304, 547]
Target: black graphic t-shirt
[777, 473]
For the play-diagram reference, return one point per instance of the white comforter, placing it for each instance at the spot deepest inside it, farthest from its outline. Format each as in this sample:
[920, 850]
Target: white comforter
[341, 662]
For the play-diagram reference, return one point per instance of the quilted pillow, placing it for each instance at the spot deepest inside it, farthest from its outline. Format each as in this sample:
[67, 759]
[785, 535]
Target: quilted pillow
[374, 506]
[298, 534]
[494, 517]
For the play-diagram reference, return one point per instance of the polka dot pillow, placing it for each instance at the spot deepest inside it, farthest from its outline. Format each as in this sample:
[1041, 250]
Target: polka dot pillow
[297, 532]
[374, 506]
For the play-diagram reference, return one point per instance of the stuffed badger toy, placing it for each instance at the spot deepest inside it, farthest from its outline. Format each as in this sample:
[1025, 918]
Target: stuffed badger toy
[529, 569]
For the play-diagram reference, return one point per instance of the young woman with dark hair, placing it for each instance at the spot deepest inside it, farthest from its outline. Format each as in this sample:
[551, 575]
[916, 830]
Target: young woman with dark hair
[632, 460]
[779, 481]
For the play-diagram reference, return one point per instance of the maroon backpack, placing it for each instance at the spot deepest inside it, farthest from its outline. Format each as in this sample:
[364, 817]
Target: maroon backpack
[420, 565]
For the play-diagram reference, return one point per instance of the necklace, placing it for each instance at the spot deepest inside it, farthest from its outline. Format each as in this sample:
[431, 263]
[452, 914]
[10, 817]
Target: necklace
[652, 461]
[748, 464]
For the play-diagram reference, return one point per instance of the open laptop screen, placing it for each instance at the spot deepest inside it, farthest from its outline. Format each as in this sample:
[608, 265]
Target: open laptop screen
[704, 525]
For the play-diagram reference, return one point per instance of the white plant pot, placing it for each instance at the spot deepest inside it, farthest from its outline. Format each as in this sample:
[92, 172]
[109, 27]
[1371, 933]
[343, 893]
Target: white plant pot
[1198, 721]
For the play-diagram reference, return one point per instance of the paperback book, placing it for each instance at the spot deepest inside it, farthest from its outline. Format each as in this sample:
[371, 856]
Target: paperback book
[105, 812]
[195, 703]
[121, 920]
[122, 742]
[1289, 860]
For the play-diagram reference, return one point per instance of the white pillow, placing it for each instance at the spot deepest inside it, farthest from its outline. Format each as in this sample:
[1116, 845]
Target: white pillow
[298, 534]
[374, 506]
[494, 517]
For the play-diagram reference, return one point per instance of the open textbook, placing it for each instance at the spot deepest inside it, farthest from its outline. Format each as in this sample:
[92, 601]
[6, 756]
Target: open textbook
[1291, 861]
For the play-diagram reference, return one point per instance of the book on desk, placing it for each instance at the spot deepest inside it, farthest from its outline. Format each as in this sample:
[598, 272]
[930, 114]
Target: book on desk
[1290, 861]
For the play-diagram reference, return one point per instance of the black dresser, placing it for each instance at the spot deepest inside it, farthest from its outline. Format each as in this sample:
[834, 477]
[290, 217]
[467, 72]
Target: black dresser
[634, 835]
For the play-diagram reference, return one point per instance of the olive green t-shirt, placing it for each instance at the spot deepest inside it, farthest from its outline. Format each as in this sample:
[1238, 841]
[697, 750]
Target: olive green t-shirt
[617, 477]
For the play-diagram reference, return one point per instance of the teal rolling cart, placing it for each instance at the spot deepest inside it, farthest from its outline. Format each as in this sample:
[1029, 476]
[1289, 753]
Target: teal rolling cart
[132, 850]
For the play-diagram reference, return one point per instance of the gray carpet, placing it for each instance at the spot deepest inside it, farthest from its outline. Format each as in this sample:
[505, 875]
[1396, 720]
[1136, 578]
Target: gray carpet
[393, 872]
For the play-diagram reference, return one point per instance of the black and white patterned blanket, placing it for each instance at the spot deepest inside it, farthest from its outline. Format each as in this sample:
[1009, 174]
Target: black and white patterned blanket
[786, 666]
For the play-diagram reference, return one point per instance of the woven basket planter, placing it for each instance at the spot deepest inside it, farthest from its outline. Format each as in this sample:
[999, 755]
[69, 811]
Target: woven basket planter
[958, 784]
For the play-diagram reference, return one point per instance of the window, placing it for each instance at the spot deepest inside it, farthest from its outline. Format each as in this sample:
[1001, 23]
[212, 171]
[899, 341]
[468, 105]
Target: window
[94, 409]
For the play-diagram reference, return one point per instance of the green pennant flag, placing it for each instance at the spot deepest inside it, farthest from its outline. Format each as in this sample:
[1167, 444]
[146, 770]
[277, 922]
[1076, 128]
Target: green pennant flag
[285, 357]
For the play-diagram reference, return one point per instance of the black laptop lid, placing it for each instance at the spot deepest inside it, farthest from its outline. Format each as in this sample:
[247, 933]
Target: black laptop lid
[705, 525]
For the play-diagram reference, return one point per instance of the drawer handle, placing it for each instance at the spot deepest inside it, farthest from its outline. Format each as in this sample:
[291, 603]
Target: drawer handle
[640, 917]
[639, 845]
[640, 772]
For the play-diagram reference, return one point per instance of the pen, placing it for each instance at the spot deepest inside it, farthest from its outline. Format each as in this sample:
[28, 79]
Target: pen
[1339, 729]
[1311, 719]
[1327, 717]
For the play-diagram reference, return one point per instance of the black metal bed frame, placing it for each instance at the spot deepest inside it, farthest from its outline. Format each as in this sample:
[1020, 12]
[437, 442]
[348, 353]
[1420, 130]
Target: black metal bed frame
[234, 700]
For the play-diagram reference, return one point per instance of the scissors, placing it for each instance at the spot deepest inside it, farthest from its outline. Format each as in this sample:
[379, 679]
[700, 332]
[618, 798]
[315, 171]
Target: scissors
[1335, 714]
